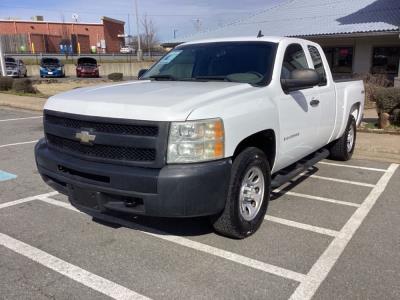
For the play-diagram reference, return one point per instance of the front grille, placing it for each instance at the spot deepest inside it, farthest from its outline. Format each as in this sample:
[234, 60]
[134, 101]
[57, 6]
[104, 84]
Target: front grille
[124, 129]
[102, 151]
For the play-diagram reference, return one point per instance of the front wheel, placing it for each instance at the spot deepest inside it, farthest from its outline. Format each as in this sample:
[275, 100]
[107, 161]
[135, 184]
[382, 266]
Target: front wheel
[248, 195]
[343, 148]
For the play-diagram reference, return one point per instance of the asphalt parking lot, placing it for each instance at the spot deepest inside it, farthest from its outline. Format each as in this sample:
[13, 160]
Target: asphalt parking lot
[332, 233]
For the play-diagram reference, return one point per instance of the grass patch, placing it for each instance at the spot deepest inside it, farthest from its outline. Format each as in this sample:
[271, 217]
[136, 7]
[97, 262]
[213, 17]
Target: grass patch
[37, 95]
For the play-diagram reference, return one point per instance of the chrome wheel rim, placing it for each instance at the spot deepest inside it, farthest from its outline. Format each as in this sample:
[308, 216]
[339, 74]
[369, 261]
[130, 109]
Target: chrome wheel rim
[350, 139]
[252, 193]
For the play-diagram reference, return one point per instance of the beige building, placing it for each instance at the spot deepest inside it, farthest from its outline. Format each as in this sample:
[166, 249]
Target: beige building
[358, 36]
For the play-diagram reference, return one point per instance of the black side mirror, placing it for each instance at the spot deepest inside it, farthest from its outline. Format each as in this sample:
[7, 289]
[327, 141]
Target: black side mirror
[301, 79]
[141, 72]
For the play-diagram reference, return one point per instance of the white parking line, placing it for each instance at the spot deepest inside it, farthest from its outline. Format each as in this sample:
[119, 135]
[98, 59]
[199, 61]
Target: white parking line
[76, 273]
[16, 144]
[19, 201]
[352, 166]
[327, 260]
[303, 226]
[317, 198]
[341, 180]
[237, 258]
[18, 119]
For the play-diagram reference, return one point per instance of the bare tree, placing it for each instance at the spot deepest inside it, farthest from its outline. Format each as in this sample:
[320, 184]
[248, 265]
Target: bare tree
[149, 36]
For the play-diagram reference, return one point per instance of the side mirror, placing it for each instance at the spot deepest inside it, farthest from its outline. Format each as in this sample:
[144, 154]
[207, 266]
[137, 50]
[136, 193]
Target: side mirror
[301, 79]
[141, 72]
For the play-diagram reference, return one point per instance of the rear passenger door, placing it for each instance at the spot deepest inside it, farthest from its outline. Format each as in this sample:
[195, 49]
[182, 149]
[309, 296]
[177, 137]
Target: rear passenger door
[298, 119]
[326, 94]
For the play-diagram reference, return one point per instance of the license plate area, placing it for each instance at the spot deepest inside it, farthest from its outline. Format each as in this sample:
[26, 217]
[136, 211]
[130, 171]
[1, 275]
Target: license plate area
[86, 198]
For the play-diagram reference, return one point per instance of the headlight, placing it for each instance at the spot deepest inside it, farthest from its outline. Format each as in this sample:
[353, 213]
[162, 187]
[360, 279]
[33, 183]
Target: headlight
[59, 68]
[196, 141]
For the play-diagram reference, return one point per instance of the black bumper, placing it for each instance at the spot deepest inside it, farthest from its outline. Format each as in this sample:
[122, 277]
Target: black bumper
[186, 190]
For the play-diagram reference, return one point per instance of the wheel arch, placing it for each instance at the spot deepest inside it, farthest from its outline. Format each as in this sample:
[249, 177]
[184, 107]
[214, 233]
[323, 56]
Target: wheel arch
[264, 140]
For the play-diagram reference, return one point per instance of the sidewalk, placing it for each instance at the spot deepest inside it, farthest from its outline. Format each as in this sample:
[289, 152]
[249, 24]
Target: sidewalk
[24, 102]
[380, 147]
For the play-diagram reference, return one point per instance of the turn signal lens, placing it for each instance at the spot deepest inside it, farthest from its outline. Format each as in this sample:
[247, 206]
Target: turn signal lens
[196, 141]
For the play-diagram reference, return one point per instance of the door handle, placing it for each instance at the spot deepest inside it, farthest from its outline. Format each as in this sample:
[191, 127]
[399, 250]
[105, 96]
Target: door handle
[314, 102]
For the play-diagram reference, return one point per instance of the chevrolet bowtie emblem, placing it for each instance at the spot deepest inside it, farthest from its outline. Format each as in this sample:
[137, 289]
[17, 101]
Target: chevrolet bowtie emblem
[85, 137]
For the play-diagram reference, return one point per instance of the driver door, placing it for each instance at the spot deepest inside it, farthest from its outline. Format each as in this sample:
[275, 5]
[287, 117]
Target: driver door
[299, 112]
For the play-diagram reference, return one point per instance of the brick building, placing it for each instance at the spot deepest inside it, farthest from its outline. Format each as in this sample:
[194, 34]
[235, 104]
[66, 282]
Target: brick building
[46, 37]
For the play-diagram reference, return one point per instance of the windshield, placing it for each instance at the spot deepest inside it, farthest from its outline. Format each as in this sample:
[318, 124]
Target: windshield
[87, 61]
[50, 61]
[246, 62]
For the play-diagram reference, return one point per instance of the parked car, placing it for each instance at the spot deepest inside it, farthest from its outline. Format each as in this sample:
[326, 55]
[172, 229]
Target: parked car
[87, 67]
[15, 67]
[209, 130]
[51, 67]
[127, 49]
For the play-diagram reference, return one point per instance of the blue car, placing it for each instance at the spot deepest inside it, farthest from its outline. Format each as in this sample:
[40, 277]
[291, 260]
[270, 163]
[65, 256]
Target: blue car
[51, 67]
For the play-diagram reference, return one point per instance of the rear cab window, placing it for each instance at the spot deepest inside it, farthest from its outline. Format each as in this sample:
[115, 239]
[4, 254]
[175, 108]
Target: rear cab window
[318, 64]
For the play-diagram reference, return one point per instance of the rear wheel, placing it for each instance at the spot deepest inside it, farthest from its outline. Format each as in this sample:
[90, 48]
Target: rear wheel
[248, 195]
[343, 148]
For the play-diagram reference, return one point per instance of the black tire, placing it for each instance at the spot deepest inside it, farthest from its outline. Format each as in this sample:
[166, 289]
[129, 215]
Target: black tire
[231, 222]
[338, 149]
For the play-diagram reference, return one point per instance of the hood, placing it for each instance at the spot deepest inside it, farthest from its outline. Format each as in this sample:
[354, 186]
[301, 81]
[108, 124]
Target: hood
[87, 67]
[144, 100]
[86, 60]
[11, 65]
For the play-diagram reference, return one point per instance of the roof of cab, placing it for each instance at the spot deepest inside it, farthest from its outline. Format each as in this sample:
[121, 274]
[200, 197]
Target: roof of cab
[271, 39]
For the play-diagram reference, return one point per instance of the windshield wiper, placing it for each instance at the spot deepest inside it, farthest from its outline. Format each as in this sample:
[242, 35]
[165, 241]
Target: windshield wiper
[163, 77]
[219, 78]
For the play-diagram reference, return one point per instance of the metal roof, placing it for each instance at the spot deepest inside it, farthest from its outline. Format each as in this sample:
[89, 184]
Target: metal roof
[312, 18]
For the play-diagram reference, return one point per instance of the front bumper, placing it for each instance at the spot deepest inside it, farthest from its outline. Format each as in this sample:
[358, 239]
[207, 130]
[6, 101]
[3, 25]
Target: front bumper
[172, 191]
[53, 73]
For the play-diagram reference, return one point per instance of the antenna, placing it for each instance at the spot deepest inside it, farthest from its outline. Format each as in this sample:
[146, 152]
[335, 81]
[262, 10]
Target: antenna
[260, 35]
[75, 17]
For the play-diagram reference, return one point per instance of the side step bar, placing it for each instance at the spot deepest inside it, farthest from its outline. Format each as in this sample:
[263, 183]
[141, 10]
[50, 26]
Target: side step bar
[290, 172]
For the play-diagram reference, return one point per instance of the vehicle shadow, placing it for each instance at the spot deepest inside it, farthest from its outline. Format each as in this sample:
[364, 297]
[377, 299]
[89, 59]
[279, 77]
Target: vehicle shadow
[275, 195]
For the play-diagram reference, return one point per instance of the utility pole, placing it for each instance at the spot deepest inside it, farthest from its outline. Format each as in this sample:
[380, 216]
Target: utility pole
[175, 31]
[139, 50]
[2, 63]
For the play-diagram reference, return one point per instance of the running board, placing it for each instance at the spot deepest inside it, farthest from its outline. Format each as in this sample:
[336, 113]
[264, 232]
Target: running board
[290, 172]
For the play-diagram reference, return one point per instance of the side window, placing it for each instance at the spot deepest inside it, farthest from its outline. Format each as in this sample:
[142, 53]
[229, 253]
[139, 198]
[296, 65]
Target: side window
[318, 64]
[295, 58]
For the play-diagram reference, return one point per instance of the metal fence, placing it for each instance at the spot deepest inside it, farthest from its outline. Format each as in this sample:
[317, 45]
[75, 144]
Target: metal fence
[29, 58]
[15, 43]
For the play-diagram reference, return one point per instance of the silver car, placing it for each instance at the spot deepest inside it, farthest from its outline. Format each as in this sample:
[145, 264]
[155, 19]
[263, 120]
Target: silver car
[15, 67]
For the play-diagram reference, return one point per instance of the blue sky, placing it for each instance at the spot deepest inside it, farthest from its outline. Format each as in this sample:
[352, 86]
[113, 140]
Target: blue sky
[166, 14]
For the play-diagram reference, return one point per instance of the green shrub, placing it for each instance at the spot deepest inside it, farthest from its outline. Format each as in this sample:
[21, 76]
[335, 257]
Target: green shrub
[387, 99]
[24, 86]
[6, 83]
[395, 118]
[116, 76]
[372, 83]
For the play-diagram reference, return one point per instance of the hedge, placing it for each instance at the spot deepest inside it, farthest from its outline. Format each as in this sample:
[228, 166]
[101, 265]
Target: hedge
[116, 76]
[23, 86]
[387, 99]
[6, 83]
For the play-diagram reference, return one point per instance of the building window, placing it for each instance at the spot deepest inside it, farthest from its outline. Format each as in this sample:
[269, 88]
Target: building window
[340, 59]
[385, 60]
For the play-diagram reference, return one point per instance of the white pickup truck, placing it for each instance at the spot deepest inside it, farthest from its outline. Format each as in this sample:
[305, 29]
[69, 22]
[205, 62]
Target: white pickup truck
[209, 130]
